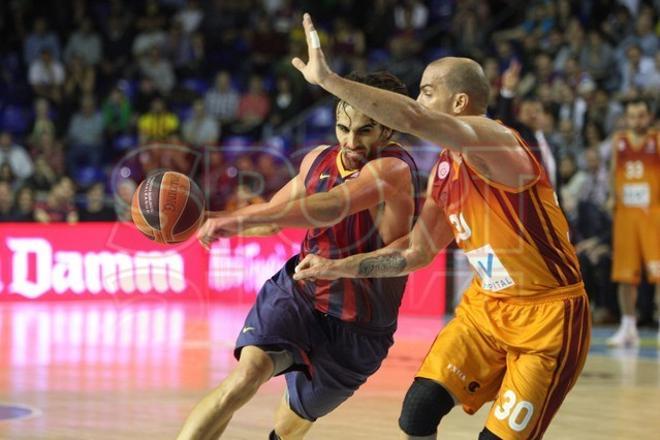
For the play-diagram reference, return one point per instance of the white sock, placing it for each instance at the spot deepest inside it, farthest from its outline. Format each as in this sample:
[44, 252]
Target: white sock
[629, 322]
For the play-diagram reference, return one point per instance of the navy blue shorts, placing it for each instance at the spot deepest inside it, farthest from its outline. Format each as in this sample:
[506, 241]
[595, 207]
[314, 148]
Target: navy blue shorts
[332, 358]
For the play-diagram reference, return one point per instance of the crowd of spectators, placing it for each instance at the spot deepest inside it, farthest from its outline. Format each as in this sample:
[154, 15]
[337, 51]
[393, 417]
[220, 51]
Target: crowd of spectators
[94, 94]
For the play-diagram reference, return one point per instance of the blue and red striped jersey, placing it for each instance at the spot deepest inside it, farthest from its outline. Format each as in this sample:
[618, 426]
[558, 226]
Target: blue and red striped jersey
[369, 302]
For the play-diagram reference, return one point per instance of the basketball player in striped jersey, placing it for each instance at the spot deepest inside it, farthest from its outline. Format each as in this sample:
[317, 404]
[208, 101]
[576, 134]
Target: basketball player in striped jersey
[521, 331]
[326, 337]
[636, 223]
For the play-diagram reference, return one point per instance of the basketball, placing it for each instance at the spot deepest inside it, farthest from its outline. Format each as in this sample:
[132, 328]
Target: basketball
[167, 207]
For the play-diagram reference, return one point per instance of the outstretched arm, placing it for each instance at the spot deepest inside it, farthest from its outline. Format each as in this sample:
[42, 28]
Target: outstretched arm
[431, 234]
[380, 180]
[487, 145]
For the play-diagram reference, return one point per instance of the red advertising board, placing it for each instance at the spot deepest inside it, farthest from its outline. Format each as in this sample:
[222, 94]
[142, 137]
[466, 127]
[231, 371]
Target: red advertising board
[114, 261]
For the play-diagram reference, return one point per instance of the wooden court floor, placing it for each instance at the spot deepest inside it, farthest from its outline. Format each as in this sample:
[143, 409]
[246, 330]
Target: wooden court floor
[133, 371]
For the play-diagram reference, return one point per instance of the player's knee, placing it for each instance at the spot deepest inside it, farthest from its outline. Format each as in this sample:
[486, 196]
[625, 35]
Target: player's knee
[488, 435]
[425, 404]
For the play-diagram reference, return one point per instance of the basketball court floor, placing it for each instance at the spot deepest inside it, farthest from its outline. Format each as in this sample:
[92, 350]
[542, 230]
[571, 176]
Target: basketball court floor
[133, 370]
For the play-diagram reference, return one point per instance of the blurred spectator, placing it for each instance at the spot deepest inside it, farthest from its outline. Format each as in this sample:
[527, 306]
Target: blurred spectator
[572, 181]
[49, 147]
[637, 70]
[39, 40]
[158, 69]
[273, 176]
[95, 208]
[411, 14]
[244, 196]
[596, 187]
[117, 113]
[285, 103]
[222, 100]
[16, 157]
[592, 231]
[597, 58]
[200, 129]
[145, 95]
[575, 41]
[152, 35]
[85, 135]
[80, 81]
[46, 76]
[58, 206]
[253, 108]
[190, 16]
[7, 175]
[44, 177]
[123, 197]
[84, 43]
[178, 47]
[43, 123]
[528, 121]
[266, 44]
[644, 37]
[6, 202]
[349, 42]
[115, 42]
[24, 206]
[379, 26]
[158, 124]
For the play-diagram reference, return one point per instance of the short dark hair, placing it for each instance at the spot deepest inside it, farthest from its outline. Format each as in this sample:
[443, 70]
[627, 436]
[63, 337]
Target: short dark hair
[638, 101]
[380, 79]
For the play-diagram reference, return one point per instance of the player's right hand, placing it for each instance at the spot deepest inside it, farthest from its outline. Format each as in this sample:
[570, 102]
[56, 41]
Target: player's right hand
[316, 70]
[313, 267]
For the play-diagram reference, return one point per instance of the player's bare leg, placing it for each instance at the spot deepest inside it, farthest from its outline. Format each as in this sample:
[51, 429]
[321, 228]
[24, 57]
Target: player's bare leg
[210, 417]
[288, 424]
[627, 332]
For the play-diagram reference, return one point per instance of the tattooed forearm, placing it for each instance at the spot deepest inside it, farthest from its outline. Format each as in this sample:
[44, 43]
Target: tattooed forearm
[383, 266]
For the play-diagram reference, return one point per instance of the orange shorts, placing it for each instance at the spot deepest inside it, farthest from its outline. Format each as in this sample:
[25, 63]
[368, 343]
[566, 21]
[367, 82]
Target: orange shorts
[525, 354]
[636, 241]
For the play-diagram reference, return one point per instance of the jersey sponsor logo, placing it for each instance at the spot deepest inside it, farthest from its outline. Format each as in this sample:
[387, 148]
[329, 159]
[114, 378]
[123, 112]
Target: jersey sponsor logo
[443, 170]
[457, 371]
[247, 329]
[637, 195]
[491, 271]
[324, 176]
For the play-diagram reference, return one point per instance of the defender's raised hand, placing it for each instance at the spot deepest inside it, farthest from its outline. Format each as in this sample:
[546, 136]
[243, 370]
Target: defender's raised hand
[316, 70]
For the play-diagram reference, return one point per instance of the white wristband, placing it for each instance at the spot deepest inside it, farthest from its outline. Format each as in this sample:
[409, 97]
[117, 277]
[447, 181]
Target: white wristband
[314, 38]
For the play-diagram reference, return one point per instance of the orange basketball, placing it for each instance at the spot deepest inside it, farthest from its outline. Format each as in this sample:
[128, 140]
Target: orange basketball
[167, 207]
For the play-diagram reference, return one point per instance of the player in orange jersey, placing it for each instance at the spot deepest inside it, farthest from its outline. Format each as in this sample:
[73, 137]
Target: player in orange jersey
[521, 332]
[636, 201]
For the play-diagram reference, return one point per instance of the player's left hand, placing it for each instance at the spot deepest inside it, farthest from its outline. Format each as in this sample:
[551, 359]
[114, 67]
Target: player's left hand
[313, 267]
[316, 70]
[217, 227]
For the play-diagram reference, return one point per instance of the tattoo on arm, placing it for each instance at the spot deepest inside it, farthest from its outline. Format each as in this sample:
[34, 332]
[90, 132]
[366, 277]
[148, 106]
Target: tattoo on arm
[385, 265]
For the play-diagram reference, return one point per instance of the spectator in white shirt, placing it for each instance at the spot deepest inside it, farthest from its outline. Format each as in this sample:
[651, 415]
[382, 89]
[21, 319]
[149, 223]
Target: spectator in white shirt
[16, 156]
[85, 43]
[46, 76]
[222, 100]
[200, 129]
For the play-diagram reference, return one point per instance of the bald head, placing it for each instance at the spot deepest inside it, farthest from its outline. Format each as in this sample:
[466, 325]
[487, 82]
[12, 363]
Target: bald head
[462, 75]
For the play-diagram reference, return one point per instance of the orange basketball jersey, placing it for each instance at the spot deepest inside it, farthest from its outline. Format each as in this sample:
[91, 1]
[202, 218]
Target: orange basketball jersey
[516, 241]
[637, 171]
